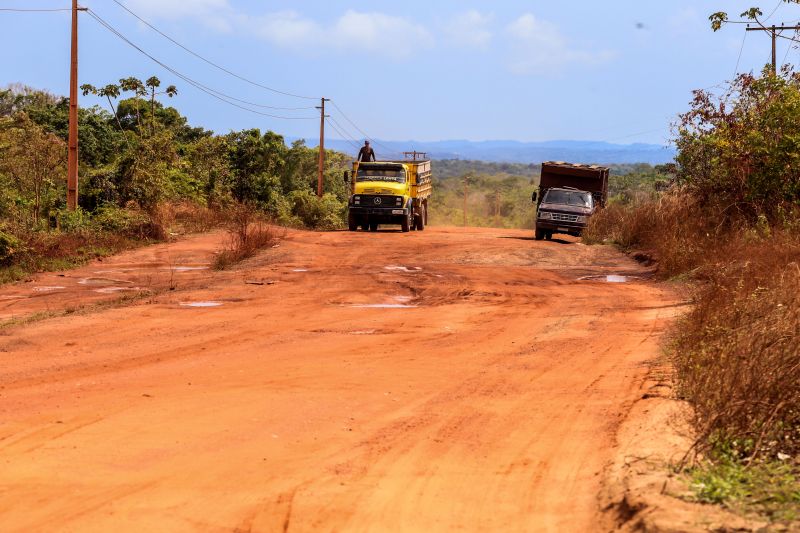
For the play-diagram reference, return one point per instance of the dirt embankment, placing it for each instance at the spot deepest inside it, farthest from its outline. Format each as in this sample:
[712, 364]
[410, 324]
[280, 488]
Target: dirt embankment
[446, 380]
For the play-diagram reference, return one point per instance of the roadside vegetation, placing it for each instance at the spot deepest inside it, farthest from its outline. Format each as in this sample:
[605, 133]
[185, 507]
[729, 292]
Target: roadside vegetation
[730, 224]
[145, 172]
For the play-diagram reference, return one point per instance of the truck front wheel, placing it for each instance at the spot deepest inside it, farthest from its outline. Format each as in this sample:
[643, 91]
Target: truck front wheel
[420, 219]
[539, 234]
[408, 221]
[352, 222]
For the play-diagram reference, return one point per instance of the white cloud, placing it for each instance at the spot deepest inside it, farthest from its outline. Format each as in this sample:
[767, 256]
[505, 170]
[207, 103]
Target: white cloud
[469, 29]
[215, 14]
[377, 33]
[539, 44]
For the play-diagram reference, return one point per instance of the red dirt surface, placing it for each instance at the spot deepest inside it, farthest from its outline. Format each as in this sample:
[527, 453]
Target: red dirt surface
[490, 402]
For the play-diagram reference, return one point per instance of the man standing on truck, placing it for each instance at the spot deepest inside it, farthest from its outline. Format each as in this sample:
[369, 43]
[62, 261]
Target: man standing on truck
[366, 153]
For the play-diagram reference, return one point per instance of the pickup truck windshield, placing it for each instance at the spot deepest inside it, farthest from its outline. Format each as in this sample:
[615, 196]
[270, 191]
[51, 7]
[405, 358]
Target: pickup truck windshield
[580, 199]
[394, 174]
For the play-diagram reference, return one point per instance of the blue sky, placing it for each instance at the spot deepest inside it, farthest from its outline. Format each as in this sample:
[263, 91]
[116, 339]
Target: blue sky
[616, 71]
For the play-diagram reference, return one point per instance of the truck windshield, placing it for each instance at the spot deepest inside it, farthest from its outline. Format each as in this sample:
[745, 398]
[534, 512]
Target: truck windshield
[394, 174]
[577, 198]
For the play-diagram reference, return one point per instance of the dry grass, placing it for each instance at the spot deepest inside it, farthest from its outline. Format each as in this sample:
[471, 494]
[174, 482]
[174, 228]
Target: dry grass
[737, 354]
[248, 233]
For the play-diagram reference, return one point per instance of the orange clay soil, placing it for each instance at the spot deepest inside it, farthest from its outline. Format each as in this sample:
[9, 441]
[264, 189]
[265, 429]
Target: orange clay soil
[451, 379]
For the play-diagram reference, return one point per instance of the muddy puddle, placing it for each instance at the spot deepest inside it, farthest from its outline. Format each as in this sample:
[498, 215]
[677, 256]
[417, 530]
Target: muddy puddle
[611, 278]
[400, 268]
[201, 304]
[103, 281]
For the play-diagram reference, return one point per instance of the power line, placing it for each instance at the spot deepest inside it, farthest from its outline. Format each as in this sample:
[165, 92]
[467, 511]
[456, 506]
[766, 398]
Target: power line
[342, 128]
[736, 70]
[344, 135]
[359, 129]
[774, 10]
[230, 100]
[35, 10]
[213, 64]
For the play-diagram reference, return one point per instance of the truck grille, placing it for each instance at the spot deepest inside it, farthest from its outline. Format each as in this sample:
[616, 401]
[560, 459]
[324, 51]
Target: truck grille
[563, 217]
[368, 200]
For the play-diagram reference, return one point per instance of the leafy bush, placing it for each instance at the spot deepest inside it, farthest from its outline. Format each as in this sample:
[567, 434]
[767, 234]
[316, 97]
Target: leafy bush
[311, 211]
[10, 246]
[741, 151]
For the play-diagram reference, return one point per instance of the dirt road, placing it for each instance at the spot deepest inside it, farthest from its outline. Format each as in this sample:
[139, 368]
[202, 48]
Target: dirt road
[446, 380]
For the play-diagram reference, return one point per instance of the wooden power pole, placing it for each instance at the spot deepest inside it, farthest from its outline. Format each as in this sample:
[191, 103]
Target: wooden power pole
[774, 32]
[466, 184]
[72, 158]
[322, 118]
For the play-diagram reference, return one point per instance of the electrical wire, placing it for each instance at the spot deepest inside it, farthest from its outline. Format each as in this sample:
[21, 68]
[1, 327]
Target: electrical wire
[738, 60]
[215, 65]
[344, 136]
[35, 10]
[230, 100]
[373, 141]
[343, 129]
[774, 10]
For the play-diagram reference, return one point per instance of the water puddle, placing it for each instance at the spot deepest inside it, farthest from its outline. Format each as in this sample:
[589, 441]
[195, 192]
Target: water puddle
[610, 278]
[299, 270]
[399, 268]
[201, 304]
[402, 298]
[363, 332]
[103, 281]
[384, 306]
[48, 289]
[112, 290]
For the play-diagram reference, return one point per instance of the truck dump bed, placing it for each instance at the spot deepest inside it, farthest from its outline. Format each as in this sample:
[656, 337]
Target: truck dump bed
[591, 178]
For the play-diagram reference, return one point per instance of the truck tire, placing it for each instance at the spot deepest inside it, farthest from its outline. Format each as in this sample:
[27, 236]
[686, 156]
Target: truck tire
[539, 235]
[373, 226]
[549, 235]
[352, 222]
[420, 218]
[408, 220]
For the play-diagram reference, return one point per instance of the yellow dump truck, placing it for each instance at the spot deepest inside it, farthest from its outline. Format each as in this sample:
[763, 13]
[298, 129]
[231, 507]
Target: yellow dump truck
[389, 192]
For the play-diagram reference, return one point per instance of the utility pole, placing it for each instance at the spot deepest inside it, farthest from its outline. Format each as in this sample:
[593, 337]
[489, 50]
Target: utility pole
[72, 158]
[322, 118]
[497, 208]
[774, 32]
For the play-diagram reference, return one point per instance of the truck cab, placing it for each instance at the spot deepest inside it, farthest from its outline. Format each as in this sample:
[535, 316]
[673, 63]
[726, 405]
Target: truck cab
[389, 192]
[563, 210]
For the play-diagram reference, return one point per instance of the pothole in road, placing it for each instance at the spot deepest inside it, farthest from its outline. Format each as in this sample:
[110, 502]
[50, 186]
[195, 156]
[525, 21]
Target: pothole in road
[186, 268]
[103, 281]
[384, 306]
[112, 290]
[48, 289]
[201, 304]
[611, 278]
[400, 268]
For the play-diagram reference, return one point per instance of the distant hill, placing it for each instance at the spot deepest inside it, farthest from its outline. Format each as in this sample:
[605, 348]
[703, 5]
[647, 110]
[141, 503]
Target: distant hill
[519, 152]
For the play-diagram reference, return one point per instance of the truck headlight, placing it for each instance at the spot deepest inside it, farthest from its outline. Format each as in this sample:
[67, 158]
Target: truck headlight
[582, 219]
[356, 200]
[544, 215]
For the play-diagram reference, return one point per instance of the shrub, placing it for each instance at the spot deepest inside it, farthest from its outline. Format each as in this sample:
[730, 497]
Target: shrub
[315, 212]
[10, 246]
[247, 234]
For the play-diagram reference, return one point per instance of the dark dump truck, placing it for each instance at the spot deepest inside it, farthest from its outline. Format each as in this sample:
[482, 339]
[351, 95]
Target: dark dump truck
[568, 195]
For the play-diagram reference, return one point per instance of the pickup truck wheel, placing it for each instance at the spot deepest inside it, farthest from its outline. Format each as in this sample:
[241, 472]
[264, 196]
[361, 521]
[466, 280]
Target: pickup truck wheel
[549, 235]
[539, 235]
[352, 222]
[420, 220]
[373, 226]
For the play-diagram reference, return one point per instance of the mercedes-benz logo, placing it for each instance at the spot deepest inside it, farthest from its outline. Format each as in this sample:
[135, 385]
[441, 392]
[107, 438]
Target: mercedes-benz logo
[377, 201]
